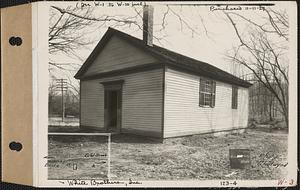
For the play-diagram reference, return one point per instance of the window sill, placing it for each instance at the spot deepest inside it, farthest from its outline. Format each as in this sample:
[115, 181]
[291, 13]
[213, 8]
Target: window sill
[205, 106]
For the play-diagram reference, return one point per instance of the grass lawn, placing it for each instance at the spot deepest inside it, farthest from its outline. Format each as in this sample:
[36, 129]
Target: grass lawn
[192, 157]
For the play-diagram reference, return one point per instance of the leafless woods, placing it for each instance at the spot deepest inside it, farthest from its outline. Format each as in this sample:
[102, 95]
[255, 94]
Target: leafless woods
[263, 49]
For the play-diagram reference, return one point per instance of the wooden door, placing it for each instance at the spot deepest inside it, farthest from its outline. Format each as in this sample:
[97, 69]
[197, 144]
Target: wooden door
[113, 110]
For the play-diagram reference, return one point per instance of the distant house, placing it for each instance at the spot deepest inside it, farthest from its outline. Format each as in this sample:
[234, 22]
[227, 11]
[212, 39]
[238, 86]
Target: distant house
[129, 85]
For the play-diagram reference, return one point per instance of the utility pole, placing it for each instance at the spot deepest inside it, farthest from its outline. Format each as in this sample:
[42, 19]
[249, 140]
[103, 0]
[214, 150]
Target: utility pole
[62, 85]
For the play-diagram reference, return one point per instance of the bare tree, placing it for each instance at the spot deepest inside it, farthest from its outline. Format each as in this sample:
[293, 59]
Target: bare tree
[263, 106]
[68, 33]
[68, 25]
[263, 50]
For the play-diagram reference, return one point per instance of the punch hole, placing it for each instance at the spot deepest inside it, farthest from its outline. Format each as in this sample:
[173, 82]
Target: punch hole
[12, 41]
[15, 146]
[15, 41]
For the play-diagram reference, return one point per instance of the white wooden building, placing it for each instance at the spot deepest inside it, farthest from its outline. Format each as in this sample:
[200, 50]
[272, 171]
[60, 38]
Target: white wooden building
[130, 86]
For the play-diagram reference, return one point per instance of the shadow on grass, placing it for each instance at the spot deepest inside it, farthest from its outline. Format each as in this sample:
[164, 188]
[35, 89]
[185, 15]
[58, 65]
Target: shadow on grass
[115, 138]
[131, 138]
[63, 129]
[77, 139]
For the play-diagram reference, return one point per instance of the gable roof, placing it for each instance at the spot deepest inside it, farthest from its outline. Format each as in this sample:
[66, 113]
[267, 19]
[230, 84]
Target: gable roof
[167, 57]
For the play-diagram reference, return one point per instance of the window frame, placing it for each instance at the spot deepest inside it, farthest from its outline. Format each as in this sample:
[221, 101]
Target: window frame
[207, 88]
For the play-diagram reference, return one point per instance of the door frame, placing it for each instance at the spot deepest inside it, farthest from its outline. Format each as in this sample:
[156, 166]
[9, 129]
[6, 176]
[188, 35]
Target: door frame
[116, 85]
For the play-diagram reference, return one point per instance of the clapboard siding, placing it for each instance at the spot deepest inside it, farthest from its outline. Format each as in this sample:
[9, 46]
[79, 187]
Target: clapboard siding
[118, 54]
[92, 104]
[141, 102]
[183, 116]
[243, 107]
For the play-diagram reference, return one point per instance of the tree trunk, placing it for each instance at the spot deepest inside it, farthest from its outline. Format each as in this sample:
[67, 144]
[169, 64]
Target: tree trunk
[286, 117]
[270, 111]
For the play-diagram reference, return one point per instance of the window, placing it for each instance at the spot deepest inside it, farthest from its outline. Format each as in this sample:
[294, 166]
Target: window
[234, 101]
[207, 93]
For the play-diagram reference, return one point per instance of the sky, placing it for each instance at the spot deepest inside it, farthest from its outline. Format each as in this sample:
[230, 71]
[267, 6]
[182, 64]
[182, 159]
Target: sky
[213, 36]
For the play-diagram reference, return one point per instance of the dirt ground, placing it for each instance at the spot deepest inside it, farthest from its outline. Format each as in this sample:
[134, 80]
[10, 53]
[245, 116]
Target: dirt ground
[190, 157]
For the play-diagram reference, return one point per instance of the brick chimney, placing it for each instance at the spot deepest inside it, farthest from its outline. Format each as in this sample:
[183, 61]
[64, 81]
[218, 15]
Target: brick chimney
[148, 25]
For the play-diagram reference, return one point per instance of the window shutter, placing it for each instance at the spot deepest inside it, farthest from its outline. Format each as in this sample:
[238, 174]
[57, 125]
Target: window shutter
[232, 98]
[213, 95]
[201, 99]
[236, 97]
[202, 85]
[201, 95]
